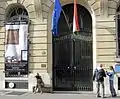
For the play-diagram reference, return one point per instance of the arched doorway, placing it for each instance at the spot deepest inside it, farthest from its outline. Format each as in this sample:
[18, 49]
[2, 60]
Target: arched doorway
[16, 41]
[72, 53]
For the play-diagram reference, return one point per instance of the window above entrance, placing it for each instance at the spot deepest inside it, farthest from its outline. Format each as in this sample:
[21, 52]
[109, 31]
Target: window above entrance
[16, 12]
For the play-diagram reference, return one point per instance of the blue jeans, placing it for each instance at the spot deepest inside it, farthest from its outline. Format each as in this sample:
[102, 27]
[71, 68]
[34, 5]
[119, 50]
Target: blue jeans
[98, 88]
[112, 89]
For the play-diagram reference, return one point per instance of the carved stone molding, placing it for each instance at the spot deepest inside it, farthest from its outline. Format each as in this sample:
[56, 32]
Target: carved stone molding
[104, 8]
[38, 9]
[18, 1]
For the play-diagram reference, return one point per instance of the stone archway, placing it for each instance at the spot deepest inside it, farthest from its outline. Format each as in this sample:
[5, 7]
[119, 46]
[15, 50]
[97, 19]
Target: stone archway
[72, 53]
[83, 3]
[91, 11]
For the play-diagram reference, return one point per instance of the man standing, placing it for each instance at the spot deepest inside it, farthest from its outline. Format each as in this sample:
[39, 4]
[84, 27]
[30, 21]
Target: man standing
[99, 75]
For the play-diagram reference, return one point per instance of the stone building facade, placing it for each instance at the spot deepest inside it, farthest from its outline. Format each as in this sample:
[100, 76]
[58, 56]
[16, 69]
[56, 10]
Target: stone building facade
[104, 29]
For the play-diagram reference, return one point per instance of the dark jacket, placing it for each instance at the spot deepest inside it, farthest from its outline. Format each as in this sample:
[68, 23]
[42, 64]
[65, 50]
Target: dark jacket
[97, 73]
[39, 79]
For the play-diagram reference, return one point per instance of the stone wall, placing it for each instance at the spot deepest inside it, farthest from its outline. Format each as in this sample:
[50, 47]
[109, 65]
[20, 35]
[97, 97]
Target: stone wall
[40, 59]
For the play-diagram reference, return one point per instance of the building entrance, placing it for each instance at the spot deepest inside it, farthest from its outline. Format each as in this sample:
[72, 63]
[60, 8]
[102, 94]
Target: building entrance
[72, 53]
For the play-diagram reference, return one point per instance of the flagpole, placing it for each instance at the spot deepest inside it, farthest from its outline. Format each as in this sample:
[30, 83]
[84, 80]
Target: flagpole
[56, 15]
[76, 27]
[66, 20]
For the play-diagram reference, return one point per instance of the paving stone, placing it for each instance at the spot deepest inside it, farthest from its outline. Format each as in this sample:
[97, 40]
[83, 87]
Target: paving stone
[16, 93]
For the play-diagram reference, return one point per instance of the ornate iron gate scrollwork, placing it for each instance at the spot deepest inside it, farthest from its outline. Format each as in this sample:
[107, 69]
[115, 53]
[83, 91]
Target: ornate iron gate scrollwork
[72, 62]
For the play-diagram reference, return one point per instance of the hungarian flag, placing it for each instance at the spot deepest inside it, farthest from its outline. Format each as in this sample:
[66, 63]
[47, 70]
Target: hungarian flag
[75, 18]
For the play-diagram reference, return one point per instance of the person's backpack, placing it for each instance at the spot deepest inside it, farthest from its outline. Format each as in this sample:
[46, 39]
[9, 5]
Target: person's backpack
[99, 75]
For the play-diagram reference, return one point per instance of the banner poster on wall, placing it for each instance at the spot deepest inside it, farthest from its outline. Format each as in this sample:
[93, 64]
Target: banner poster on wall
[16, 49]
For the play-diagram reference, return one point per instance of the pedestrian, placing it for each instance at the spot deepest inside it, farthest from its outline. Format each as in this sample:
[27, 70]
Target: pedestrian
[111, 74]
[40, 83]
[99, 75]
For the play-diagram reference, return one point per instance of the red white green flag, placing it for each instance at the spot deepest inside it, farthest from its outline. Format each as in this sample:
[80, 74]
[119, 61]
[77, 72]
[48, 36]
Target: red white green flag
[76, 27]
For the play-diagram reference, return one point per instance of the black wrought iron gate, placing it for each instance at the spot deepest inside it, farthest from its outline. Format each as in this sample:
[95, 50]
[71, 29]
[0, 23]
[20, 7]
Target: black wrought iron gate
[72, 62]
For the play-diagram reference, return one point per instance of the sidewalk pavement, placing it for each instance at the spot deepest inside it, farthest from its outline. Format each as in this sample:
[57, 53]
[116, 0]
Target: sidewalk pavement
[55, 95]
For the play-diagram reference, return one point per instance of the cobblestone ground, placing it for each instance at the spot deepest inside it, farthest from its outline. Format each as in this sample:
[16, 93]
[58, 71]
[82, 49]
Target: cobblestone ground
[56, 95]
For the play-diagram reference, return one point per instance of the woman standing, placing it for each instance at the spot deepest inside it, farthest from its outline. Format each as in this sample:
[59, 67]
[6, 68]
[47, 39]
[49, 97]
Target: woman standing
[111, 74]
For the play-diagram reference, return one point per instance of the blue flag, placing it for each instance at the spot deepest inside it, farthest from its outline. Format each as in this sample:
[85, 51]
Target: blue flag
[55, 17]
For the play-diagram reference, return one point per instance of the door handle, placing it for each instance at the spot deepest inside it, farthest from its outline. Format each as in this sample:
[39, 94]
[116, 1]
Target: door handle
[68, 67]
[74, 67]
